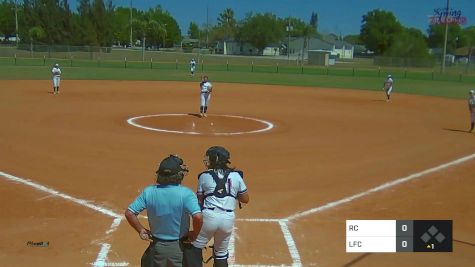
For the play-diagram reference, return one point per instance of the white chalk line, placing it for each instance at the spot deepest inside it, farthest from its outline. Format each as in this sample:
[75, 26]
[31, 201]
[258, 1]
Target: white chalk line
[380, 188]
[282, 222]
[294, 253]
[51, 191]
[132, 122]
[102, 255]
[231, 248]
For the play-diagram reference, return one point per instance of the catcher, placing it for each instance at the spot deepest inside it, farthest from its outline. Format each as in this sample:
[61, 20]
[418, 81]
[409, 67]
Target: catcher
[220, 188]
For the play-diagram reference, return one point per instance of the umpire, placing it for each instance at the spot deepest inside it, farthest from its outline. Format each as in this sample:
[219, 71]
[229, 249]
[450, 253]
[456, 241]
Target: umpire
[169, 206]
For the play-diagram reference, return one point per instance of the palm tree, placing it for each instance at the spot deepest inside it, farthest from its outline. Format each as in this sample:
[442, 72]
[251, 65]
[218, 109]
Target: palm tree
[308, 32]
[147, 27]
[35, 33]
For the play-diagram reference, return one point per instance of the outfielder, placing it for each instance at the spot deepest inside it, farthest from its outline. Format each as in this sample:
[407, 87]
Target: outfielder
[205, 95]
[388, 87]
[219, 189]
[56, 71]
[192, 67]
[471, 108]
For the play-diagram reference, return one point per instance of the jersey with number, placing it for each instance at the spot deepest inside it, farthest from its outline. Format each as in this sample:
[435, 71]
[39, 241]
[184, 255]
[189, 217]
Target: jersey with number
[206, 87]
[388, 83]
[234, 186]
[56, 72]
[471, 103]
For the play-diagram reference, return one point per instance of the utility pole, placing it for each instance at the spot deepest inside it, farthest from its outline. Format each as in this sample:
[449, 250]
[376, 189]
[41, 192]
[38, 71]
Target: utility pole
[16, 23]
[130, 22]
[445, 37]
[289, 28]
[207, 25]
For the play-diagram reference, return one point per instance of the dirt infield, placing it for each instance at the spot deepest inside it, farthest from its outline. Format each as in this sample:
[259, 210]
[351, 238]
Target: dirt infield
[71, 164]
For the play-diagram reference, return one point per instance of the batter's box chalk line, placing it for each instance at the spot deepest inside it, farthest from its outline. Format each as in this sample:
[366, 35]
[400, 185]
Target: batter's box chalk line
[101, 260]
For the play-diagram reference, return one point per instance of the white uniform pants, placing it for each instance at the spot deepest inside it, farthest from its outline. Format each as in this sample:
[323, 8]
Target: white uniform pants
[218, 224]
[205, 97]
[389, 90]
[56, 80]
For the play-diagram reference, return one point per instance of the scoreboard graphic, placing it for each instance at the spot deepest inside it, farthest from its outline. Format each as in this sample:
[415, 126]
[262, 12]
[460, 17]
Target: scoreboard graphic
[399, 235]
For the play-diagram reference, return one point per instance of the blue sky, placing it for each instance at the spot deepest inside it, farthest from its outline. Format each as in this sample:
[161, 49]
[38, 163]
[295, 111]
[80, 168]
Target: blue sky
[335, 16]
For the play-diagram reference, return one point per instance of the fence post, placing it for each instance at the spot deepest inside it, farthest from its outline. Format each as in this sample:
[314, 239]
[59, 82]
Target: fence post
[227, 65]
[125, 62]
[151, 63]
[301, 70]
[44, 60]
[353, 71]
[277, 67]
[15, 58]
[379, 71]
[176, 64]
[252, 66]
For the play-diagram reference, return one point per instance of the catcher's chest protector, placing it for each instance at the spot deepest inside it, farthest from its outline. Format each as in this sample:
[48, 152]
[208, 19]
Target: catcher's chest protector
[220, 191]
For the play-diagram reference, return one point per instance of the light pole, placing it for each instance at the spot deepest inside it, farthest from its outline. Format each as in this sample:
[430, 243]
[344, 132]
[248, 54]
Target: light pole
[445, 37]
[288, 28]
[165, 30]
[130, 22]
[16, 23]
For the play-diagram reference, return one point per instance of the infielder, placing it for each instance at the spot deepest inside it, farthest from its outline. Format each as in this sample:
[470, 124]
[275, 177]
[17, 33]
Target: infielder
[471, 108]
[192, 67]
[219, 189]
[388, 87]
[56, 71]
[205, 95]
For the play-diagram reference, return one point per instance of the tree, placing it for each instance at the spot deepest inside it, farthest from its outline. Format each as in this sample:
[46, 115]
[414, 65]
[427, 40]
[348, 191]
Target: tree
[436, 37]
[378, 30]
[314, 21]
[353, 39]
[227, 25]
[193, 30]
[121, 26]
[35, 33]
[409, 43]
[7, 18]
[261, 29]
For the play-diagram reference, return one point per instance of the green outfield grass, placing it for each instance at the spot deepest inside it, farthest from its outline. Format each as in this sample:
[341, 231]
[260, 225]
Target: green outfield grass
[413, 81]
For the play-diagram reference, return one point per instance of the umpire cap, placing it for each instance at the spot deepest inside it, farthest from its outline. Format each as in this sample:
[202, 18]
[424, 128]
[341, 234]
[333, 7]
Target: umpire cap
[173, 167]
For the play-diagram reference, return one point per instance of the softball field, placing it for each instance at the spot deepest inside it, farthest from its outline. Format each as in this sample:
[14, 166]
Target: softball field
[312, 158]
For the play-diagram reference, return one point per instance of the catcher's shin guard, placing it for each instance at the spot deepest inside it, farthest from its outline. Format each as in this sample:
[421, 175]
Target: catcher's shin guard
[221, 261]
[192, 256]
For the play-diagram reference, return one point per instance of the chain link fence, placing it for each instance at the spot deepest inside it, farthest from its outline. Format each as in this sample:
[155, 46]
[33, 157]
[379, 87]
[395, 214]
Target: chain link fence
[116, 57]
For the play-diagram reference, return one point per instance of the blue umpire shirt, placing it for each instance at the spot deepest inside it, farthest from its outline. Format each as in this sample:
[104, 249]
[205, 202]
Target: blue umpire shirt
[168, 209]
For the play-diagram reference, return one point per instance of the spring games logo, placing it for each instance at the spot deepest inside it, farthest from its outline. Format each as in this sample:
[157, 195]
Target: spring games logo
[449, 16]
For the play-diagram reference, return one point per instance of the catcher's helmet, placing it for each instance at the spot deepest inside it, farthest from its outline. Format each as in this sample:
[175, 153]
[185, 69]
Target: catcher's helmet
[472, 92]
[389, 76]
[56, 65]
[218, 157]
[171, 170]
